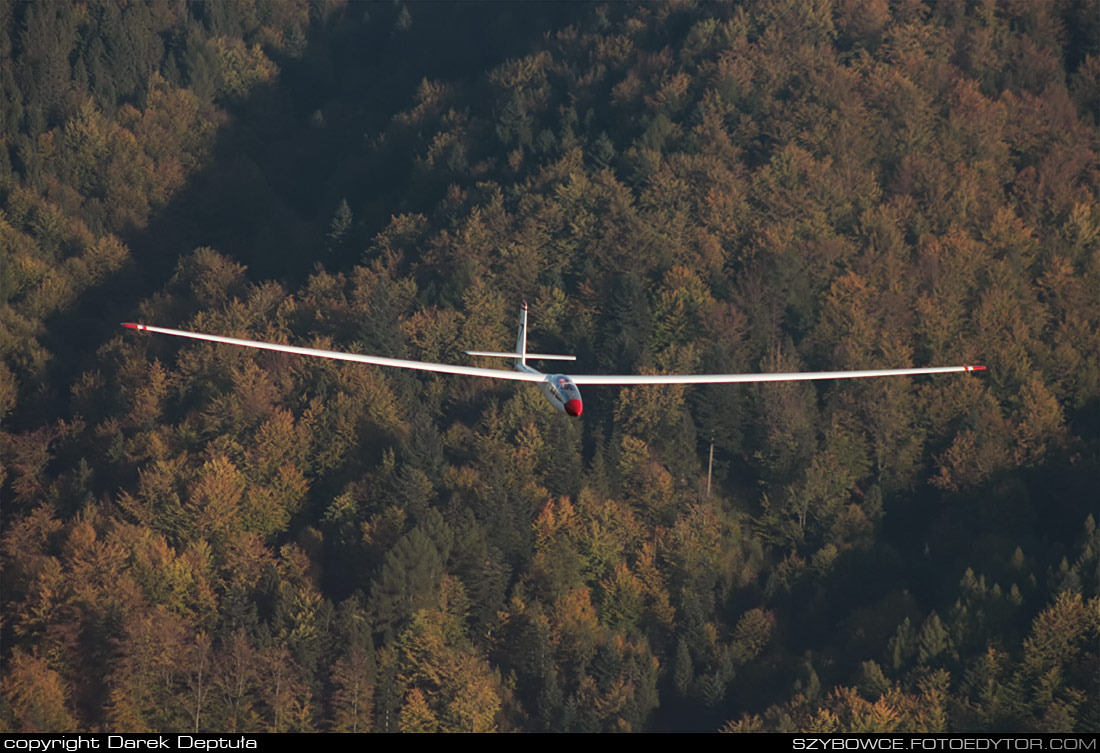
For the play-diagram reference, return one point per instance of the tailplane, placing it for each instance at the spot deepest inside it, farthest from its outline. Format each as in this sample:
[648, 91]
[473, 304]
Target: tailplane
[521, 355]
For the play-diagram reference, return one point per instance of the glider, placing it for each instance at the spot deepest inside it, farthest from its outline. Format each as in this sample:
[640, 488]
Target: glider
[560, 389]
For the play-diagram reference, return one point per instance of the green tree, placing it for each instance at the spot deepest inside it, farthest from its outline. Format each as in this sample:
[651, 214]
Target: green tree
[339, 226]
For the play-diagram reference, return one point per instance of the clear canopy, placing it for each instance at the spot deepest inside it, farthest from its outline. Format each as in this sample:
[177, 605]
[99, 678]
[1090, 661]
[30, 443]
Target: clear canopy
[565, 387]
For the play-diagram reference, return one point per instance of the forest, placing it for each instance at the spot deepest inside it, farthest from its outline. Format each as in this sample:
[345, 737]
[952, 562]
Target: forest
[197, 537]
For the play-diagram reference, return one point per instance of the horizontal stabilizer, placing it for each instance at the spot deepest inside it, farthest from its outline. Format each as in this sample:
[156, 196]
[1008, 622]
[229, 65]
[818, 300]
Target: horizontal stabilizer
[529, 356]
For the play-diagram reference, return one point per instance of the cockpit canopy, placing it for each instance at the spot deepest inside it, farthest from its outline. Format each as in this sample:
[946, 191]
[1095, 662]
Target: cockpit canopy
[565, 387]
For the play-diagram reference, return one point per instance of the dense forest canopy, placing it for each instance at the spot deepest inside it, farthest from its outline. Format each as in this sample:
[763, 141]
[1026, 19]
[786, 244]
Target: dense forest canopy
[195, 537]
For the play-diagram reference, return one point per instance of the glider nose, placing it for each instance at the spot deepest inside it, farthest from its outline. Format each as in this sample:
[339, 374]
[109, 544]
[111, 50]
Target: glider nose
[574, 408]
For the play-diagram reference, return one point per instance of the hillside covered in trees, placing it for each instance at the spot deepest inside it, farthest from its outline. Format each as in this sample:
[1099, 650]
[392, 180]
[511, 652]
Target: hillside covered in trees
[198, 537]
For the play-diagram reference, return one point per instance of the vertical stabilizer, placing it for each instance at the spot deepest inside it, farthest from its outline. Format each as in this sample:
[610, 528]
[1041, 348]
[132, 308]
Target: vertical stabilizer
[521, 336]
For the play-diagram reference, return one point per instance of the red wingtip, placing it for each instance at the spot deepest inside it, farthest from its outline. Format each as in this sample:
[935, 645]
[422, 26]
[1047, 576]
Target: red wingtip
[131, 325]
[976, 368]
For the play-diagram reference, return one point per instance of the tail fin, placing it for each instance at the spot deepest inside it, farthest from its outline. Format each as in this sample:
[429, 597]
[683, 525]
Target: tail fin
[521, 336]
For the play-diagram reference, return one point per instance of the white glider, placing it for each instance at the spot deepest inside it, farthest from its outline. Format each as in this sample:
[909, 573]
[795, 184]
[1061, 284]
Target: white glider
[560, 389]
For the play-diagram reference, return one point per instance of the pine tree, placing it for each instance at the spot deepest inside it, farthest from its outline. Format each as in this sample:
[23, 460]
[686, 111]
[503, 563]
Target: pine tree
[933, 640]
[872, 682]
[339, 226]
[409, 581]
[683, 673]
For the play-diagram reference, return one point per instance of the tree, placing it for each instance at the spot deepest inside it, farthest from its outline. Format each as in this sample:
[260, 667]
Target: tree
[37, 696]
[353, 694]
[235, 675]
[409, 581]
[751, 635]
[197, 669]
[440, 669]
[145, 680]
[932, 640]
[416, 715]
[682, 671]
[213, 500]
[339, 226]
[284, 696]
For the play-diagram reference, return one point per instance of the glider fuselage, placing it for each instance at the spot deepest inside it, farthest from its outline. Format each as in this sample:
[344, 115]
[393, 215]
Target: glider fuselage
[560, 391]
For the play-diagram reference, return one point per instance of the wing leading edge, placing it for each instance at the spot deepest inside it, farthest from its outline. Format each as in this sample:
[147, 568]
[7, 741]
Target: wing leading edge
[399, 363]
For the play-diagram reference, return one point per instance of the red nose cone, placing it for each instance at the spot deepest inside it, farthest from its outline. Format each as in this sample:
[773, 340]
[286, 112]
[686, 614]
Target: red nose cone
[574, 408]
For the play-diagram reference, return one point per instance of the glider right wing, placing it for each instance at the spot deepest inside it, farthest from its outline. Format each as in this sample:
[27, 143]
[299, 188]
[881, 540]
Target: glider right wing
[400, 363]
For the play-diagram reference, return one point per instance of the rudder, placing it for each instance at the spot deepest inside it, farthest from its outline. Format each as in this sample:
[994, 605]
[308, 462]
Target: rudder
[521, 336]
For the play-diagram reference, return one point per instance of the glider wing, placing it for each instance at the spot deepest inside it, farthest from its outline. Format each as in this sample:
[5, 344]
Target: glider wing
[806, 376]
[400, 363]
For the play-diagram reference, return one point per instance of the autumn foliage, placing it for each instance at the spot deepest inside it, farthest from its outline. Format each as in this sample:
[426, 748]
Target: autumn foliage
[202, 538]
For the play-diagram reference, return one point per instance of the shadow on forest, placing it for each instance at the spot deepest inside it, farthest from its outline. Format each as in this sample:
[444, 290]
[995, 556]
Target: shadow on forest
[292, 152]
[928, 541]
